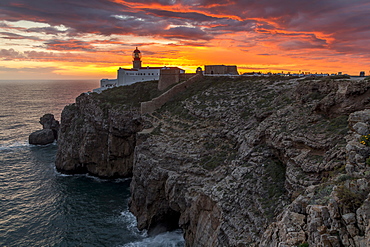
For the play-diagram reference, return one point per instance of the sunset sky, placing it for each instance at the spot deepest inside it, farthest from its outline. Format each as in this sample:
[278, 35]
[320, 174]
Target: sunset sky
[90, 39]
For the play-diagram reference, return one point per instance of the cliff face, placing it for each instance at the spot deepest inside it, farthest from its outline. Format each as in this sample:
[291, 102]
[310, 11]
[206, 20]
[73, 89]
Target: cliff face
[234, 162]
[258, 163]
[97, 140]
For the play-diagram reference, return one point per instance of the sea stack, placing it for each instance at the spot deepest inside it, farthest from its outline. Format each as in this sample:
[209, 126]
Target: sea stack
[48, 134]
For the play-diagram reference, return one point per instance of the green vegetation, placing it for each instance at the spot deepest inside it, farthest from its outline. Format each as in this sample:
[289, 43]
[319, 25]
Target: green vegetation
[337, 126]
[273, 183]
[350, 199]
[365, 139]
[322, 194]
[157, 130]
[314, 96]
[220, 151]
[211, 162]
[175, 106]
[128, 97]
[368, 161]
[303, 245]
[334, 77]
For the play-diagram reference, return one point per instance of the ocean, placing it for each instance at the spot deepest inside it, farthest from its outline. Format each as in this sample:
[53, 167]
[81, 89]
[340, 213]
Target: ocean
[41, 207]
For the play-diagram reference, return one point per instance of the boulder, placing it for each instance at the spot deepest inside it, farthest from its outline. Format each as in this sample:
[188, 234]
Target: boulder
[41, 137]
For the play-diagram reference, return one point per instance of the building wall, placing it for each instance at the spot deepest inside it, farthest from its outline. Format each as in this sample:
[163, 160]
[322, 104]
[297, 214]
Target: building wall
[108, 82]
[220, 69]
[168, 77]
[128, 77]
[156, 103]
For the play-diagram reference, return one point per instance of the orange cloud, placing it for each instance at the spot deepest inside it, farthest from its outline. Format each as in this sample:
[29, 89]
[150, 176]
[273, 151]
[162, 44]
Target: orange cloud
[289, 35]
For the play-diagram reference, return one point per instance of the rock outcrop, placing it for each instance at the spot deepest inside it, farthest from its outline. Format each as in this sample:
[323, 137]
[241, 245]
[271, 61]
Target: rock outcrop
[48, 134]
[335, 212]
[96, 140]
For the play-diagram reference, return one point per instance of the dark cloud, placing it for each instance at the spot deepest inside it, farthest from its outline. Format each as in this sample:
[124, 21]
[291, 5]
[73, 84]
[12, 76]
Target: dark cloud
[8, 35]
[188, 33]
[190, 20]
[4, 25]
[46, 30]
[308, 42]
[10, 54]
[28, 70]
[189, 16]
[266, 54]
[69, 45]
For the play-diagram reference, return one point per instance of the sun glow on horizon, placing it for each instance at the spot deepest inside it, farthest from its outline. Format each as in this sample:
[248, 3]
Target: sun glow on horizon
[94, 40]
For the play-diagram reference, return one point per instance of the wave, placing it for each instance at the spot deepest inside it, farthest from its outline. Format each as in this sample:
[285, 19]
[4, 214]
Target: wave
[167, 239]
[97, 179]
[14, 145]
[131, 224]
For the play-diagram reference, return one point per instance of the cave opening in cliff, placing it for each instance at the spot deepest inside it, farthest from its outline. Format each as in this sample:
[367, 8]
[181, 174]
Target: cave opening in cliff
[166, 222]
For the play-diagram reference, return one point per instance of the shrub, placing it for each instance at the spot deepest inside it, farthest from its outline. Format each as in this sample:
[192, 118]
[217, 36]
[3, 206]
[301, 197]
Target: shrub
[365, 140]
[128, 96]
[351, 200]
[303, 245]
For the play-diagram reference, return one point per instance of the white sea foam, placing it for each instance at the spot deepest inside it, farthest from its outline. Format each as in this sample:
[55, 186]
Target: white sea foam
[131, 224]
[121, 180]
[59, 174]
[167, 239]
[14, 145]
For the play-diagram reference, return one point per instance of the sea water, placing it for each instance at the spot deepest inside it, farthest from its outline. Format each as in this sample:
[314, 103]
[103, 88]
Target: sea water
[41, 207]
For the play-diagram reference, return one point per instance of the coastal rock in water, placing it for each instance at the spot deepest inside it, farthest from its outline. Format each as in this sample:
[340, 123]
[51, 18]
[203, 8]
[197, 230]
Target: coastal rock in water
[48, 134]
[41, 137]
[48, 122]
[97, 140]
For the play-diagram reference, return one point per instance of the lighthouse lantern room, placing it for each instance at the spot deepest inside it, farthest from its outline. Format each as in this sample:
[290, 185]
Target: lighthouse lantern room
[136, 55]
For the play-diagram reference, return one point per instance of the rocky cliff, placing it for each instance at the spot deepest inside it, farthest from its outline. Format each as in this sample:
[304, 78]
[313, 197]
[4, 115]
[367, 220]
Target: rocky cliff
[98, 133]
[258, 162]
[237, 162]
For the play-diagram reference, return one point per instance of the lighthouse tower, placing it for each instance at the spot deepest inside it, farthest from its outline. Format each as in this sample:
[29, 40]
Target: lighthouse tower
[136, 55]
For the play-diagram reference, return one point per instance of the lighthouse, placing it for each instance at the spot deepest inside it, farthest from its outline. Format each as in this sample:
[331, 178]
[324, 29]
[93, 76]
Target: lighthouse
[136, 55]
[138, 73]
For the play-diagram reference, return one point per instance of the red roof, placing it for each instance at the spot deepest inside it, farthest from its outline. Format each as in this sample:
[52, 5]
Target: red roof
[152, 68]
[164, 67]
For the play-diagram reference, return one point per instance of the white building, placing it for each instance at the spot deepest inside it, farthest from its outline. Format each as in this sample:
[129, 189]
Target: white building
[131, 76]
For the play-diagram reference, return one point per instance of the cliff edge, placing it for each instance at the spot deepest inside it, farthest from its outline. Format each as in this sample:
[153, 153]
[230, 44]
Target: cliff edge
[98, 133]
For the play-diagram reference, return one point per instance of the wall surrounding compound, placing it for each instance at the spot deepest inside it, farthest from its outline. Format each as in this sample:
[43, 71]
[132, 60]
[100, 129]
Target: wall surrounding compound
[156, 103]
[168, 77]
[221, 69]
